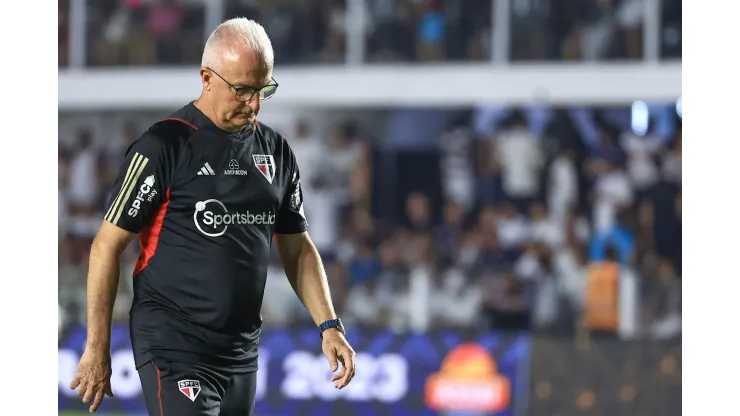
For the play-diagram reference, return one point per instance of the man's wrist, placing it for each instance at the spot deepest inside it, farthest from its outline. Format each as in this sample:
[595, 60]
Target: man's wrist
[97, 345]
[331, 330]
[335, 324]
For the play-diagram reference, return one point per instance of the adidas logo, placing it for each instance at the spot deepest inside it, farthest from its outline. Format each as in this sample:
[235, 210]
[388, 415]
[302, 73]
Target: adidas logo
[206, 170]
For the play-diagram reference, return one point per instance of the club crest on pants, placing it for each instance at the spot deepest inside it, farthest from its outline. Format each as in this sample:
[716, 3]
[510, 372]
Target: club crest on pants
[190, 388]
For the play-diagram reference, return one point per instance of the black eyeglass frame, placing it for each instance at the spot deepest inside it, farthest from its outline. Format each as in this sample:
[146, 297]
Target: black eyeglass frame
[244, 89]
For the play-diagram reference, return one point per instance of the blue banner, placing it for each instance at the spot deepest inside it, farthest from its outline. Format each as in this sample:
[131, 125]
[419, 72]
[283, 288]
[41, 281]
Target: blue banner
[444, 373]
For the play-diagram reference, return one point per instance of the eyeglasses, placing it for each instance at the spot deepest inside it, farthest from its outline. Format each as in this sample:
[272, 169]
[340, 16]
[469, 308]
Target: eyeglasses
[246, 93]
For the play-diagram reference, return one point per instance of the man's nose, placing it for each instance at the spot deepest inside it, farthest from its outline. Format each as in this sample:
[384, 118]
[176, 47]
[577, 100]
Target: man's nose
[255, 103]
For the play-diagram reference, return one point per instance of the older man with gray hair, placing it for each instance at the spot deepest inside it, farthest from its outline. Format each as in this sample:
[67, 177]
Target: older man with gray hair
[206, 190]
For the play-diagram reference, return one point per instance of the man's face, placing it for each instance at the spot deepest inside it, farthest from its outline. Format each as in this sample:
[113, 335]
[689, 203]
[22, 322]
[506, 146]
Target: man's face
[418, 209]
[452, 213]
[240, 68]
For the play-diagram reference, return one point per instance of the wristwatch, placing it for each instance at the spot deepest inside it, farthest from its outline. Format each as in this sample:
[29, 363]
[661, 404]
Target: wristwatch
[332, 323]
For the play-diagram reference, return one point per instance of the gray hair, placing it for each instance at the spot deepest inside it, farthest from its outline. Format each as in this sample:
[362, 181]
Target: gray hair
[247, 31]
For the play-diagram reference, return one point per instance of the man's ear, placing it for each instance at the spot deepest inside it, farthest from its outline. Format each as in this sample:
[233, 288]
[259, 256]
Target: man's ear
[205, 76]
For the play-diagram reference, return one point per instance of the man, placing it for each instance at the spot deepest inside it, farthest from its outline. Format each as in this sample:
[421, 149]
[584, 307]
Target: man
[206, 190]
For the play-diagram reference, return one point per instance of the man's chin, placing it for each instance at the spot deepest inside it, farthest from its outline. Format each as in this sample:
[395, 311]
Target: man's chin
[241, 121]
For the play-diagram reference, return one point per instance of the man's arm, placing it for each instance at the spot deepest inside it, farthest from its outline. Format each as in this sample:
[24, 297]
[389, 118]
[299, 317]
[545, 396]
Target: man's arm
[300, 258]
[102, 283]
[141, 188]
[306, 274]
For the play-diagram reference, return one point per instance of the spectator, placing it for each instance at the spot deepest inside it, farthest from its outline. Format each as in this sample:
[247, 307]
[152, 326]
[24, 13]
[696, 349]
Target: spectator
[419, 213]
[607, 149]
[563, 184]
[63, 32]
[455, 303]
[165, 21]
[63, 206]
[490, 182]
[72, 279]
[668, 320]
[114, 45]
[544, 229]
[128, 134]
[449, 233]
[363, 306]
[612, 193]
[283, 305]
[629, 301]
[336, 31]
[504, 304]
[545, 305]
[662, 202]
[519, 154]
[601, 311]
[412, 311]
[84, 182]
[308, 150]
[320, 205]
[456, 146]
[671, 160]
[431, 34]
[513, 228]
[640, 155]
[342, 158]
[570, 272]
[390, 37]
[619, 238]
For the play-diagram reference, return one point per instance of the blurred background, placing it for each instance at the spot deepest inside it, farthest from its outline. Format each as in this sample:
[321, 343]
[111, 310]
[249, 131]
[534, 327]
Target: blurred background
[508, 245]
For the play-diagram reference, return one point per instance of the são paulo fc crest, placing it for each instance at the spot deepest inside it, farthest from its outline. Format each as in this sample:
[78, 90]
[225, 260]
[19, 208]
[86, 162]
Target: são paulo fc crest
[266, 165]
[190, 388]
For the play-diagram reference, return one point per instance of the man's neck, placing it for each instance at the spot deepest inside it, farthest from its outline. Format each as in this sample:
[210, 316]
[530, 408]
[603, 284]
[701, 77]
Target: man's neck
[207, 109]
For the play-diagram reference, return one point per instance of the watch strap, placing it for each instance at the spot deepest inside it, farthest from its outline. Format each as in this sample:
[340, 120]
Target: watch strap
[331, 323]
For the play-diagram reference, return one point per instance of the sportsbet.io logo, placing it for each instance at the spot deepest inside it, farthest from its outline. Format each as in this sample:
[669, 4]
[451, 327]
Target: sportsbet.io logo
[213, 219]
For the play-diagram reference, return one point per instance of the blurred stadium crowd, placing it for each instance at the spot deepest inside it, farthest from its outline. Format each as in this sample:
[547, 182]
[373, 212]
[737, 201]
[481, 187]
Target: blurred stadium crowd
[167, 32]
[492, 219]
[496, 220]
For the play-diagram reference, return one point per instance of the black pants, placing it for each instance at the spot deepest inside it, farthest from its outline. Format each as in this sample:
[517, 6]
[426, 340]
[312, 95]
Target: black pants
[182, 389]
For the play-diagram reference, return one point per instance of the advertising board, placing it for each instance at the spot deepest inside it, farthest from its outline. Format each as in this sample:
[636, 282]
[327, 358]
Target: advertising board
[442, 373]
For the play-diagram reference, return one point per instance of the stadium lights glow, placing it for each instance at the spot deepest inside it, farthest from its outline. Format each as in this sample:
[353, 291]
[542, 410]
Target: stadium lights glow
[640, 118]
[678, 108]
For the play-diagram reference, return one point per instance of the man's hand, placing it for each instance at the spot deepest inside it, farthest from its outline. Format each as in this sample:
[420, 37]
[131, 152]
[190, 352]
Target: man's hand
[93, 378]
[336, 348]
